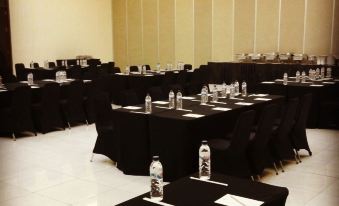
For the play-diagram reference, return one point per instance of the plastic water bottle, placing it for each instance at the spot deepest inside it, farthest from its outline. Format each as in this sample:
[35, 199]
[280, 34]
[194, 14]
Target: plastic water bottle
[303, 77]
[322, 72]
[148, 104]
[215, 94]
[140, 69]
[224, 90]
[30, 79]
[297, 77]
[329, 72]
[144, 69]
[285, 79]
[158, 67]
[171, 100]
[236, 87]
[179, 100]
[317, 73]
[232, 91]
[244, 89]
[204, 97]
[204, 161]
[31, 65]
[156, 174]
[127, 69]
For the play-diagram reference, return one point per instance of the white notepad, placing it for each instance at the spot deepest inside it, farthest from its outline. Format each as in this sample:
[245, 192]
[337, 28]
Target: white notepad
[35, 87]
[244, 103]
[316, 85]
[188, 98]
[221, 109]
[268, 82]
[262, 99]
[193, 115]
[160, 102]
[132, 107]
[87, 80]
[328, 82]
[258, 95]
[234, 200]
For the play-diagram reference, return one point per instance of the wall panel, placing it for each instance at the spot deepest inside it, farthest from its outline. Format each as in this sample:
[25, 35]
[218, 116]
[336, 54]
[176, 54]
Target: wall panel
[134, 26]
[119, 33]
[292, 26]
[184, 31]
[335, 43]
[267, 26]
[222, 49]
[166, 31]
[202, 31]
[150, 32]
[318, 27]
[244, 26]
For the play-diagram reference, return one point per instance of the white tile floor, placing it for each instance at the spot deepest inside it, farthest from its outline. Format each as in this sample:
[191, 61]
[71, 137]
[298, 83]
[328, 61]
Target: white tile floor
[54, 170]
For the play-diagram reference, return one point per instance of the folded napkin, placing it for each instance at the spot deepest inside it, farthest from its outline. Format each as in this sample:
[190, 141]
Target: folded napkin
[132, 107]
[262, 99]
[234, 200]
[193, 115]
[244, 103]
[160, 102]
[221, 109]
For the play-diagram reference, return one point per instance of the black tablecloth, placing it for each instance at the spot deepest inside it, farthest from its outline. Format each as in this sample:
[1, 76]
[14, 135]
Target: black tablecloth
[187, 191]
[292, 89]
[174, 137]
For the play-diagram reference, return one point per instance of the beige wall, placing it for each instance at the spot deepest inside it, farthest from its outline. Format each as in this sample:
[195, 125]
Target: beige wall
[198, 31]
[53, 29]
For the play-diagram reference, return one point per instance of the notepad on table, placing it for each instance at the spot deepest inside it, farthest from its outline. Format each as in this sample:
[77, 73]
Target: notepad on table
[221, 109]
[188, 98]
[193, 115]
[244, 103]
[268, 82]
[234, 200]
[316, 85]
[160, 102]
[132, 107]
[262, 99]
[258, 95]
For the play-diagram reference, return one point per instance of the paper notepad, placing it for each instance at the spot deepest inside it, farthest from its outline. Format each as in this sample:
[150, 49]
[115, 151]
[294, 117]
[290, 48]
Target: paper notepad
[149, 75]
[157, 202]
[160, 102]
[48, 80]
[268, 82]
[87, 80]
[258, 95]
[188, 98]
[328, 82]
[244, 103]
[262, 99]
[234, 200]
[132, 107]
[1, 90]
[35, 87]
[221, 109]
[193, 115]
[316, 85]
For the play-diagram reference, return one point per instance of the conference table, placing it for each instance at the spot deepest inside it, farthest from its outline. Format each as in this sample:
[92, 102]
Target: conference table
[321, 90]
[232, 191]
[176, 135]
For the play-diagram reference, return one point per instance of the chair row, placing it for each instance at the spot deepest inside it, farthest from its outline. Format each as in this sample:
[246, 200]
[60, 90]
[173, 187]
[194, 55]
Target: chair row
[248, 150]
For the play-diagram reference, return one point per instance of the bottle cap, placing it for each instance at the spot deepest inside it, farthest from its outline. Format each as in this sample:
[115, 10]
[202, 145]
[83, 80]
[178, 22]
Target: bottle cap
[204, 141]
[155, 158]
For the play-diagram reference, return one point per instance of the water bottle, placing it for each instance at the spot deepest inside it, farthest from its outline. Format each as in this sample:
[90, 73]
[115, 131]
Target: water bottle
[158, 67]
[156, 174]
[232, 91]
[148, 104]
[322, 72]
[236, 87]
[215, 94]
[179, 100]
[31, 65]
[30, 79]
[317, 73]
[140, 69]
[244, 89]
[204, 161]
[224, 90]
[171, 100]
[285, 79]
[297, 77]
[329, 72]
[204, 95]
[144, 69]
[127, 69]
[303, 77]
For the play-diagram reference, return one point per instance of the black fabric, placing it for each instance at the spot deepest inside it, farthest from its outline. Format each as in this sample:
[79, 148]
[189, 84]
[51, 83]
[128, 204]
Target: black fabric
[75, 72]
[187, 192]
[280, 143]
[156, 93]
[73, 106]
[36, 65]
[51, 65]
[71, 62]
[104, 125]
[129, 98]
[188, 66]
[47, 113]
[258, 151]
[18, 118]
[93, 62]
[148, 68]
[299, 137]
[133, 69]
[232, 160]
[194, 86]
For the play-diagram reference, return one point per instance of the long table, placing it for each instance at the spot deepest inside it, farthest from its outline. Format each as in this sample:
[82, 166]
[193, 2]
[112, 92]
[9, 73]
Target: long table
[174, 137]
[189, 191]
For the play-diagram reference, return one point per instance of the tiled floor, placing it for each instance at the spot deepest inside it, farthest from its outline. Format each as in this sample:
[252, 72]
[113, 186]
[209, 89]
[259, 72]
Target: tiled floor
[54, 170]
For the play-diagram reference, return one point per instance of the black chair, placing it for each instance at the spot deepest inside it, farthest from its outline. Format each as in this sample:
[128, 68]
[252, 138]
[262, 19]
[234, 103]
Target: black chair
[93, 62]
[20, 71]
[8, 78]
[229, 156]
[129, 98]
[91, 73]
[133, 69]
[18, 118]
[180, 82]
[194, 86]
[73, 105]
[258, 150]
[36, 65]
[167, 81]
[280, 142]
[51, 65]
[47, 113]
[156, 93]
[116, 70]
[74, 72]
[188, 67]
[71, 62]
[148, 68]
[298, 136]
[107, 141]
[59, 62]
